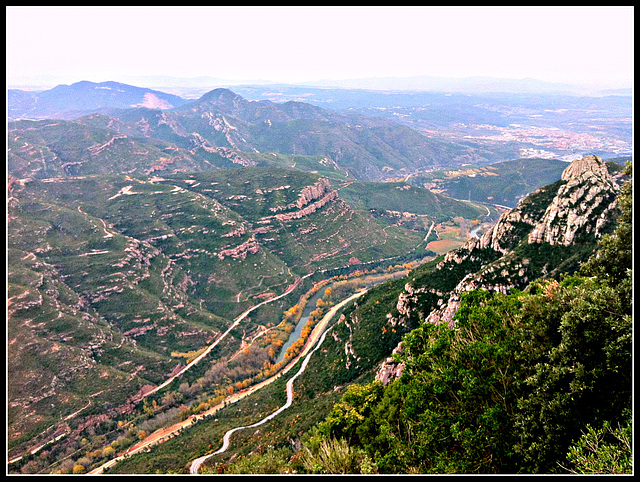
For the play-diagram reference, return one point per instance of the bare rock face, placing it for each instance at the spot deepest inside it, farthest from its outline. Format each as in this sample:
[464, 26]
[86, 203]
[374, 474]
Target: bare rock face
[309, 208]
[588, 167]
[582, 203]
[588, 185]
[577, 208]
[313, 192]
[310, 199]
[389, 370]
[235, 156]
[241, 251]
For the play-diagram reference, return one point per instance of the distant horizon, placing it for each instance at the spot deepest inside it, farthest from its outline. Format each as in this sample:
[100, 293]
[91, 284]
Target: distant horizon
[468, 84]
[590, 47]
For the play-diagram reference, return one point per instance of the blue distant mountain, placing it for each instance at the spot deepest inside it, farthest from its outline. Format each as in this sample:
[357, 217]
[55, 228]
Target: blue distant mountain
[69, 101]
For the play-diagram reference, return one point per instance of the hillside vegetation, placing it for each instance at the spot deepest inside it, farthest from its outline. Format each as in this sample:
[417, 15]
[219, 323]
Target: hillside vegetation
[533, 381]
[113, 277]
[170, 260]
[504, 183]
[221, 130]
[528, 381]
[532, 370]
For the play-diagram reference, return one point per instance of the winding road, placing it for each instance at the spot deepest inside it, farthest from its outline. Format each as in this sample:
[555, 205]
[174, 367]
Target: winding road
[165, 433]
[320, 332]
[221, 337]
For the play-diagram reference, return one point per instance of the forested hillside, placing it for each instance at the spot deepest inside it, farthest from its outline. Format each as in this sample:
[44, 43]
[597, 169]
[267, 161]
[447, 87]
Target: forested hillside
[529, 380]
[534, 381]
[511, 354]
[141, 236]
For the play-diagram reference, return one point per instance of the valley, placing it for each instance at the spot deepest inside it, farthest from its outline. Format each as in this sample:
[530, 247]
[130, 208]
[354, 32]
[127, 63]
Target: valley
[499, 125]
[316, 335]
[175, 265]
[142, 279]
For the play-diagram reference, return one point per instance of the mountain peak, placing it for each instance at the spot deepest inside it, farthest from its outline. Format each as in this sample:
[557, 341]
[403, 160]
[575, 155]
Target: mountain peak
[221, 94]
[586, 167]
[589, 193]
[575, 212]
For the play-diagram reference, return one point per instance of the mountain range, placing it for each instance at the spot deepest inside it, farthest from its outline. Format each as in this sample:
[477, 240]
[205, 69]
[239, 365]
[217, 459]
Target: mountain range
[221, 128]
[143, 228]
[363, 128]
[70, 101]
[545, 239]
[468, 85]
[546, 235]
[113, 276]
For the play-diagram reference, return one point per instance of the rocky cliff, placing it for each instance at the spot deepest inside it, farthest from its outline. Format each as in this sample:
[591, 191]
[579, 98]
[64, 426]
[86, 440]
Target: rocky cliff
[583, 198]
[556, 226]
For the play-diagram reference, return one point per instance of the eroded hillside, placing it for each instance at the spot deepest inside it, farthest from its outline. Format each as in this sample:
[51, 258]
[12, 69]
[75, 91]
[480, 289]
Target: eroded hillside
[113, 277]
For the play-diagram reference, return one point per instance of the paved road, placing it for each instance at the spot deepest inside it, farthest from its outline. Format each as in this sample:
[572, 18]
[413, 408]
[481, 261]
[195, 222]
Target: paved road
[319, 334]
[162, 434]
[165, 433]
[221, 337]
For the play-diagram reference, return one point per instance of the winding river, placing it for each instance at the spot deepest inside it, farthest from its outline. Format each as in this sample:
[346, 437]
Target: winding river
[319, 333]
[160, 435]
[308, 308]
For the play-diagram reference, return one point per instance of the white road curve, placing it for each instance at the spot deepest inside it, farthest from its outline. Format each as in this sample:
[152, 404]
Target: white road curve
[221, 337]
[197, 463]
[164, 433]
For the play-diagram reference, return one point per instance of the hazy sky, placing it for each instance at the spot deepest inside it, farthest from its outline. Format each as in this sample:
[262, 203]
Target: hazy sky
[292, 44]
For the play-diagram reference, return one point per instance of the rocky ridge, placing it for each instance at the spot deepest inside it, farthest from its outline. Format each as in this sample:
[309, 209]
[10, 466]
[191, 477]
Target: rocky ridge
[311, 199]
[232, 155]
[588, 185]
[577, 209]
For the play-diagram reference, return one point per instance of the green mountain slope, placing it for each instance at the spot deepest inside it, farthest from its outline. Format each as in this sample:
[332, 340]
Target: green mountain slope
[505, 183]
[511, 255]
[118, 273]
[335, 397]
[501, 380]
[367, 147]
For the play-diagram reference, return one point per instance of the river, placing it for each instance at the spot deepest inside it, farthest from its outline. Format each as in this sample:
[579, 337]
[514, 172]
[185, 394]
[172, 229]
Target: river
[316, 339]
[367, 281]
[295, 334]
[319, 330]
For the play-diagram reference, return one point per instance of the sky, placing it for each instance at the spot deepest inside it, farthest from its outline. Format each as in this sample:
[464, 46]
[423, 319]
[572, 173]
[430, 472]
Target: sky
[575, 45]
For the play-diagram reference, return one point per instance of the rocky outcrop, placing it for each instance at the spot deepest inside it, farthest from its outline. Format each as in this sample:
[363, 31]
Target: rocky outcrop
[309, 209]
[172, 123]
[577, 209]
[313, 192]
[199, 142]
[582, 205]
[241, 251]
[310, 199]
[221, 124]
[587, 193]
[95, 149]
[390, 370]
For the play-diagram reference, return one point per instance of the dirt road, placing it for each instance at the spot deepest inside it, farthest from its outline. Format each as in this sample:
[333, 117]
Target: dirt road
[166, 433]
[318, 334]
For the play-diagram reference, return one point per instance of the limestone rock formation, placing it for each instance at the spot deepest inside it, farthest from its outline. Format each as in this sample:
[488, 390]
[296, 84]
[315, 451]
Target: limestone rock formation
[585, 194]
[235, 156]
[313, 192]
[577, 209]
